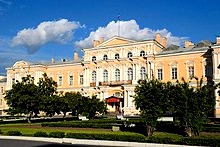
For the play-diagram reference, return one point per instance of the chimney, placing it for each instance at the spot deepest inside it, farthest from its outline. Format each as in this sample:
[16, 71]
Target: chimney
[218, 40]
[187, 44]
[75, 56]
[52, 60]
[101, 40]
[158, 37]
[95, 43]
[164, 42]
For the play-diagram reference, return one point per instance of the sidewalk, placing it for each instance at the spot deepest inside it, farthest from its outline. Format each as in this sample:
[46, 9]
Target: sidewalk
[90, 142]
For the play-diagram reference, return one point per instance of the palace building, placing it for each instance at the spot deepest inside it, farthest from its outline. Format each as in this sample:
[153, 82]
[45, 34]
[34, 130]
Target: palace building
[111, 69]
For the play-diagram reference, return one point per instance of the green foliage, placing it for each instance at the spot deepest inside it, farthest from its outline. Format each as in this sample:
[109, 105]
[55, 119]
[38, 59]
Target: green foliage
[152, 100]
[23, 98]
[40, 134]
[116, 137]
[57, 134]
[193, 105]
[14, 133]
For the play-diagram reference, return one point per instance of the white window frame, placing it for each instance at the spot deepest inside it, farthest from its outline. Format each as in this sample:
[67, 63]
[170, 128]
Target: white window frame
[143, 73]
[160, 73]
[70, 80]
[105, 75]
[130, 74]
[94, 76]
[117, 75]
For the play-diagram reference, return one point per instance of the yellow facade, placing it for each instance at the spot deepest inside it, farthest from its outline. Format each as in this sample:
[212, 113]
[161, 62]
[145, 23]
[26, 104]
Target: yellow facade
[113, 67]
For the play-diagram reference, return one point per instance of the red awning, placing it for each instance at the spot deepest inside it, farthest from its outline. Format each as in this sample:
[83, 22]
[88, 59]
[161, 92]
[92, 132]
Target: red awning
[112, 100]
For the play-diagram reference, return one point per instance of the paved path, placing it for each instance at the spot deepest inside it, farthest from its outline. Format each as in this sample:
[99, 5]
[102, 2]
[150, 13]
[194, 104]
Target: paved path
[22, 141]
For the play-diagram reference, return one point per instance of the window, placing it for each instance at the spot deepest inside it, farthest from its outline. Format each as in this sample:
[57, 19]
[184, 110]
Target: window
[94, 76]
[81, 79]
[191, 71]
[105, 76]
[13, 80]
[0, 101]
[117, 56]
[142, 53]
[160, 74]
[105, 57]
[129, 54]
[174, 73]
[2, 89]
[71, 80]
[117, 75]
[143, 73]
[130, 74]
[94, 58]
[60, 80]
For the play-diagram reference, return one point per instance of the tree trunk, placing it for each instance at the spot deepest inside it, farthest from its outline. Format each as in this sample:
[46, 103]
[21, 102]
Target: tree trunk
[150, 130]
[188, 131]
[29, 117]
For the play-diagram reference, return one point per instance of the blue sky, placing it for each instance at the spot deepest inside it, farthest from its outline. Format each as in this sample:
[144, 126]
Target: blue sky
[37, 30]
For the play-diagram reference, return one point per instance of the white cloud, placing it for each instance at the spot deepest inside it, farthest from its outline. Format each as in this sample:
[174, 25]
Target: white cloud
[50, 31]
[128, 29]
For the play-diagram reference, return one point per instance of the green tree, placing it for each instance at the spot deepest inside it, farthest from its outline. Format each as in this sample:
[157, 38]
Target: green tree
[23, 98]
[152, 101]
[50, 101]
[193, 105]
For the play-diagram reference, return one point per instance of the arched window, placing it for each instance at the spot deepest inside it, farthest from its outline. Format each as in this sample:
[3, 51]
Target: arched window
[117, 56]
[130, 74]
[142, 53]
[94, 58]
[94, 76]
[105, 76]
[105, 57]
[143, 73]
[117, 75]
[129, 54]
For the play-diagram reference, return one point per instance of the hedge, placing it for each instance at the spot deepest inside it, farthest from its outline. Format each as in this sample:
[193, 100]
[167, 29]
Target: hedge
[40, 134]
[14, 133]
[116, 137]
[57, 134]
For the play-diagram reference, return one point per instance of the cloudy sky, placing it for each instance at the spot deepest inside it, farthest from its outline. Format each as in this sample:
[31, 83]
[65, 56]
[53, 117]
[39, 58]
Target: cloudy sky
[37, 31]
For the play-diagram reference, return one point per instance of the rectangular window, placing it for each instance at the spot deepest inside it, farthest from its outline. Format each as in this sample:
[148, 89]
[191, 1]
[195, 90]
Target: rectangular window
[60, 80]
[71, 80]
[0, 101]
[2, 90]
[81, 79]
[160, 74]
[13, 81]
[174, 73]
[191, 71]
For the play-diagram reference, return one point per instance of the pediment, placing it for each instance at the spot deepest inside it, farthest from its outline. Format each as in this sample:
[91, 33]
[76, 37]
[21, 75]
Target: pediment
[115, 41]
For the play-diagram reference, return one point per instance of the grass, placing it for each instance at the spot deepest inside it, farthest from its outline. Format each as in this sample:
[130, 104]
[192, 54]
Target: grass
[30, 129]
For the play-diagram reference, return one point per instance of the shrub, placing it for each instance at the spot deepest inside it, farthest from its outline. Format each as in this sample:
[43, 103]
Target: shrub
[109, 136]
[14, 133]
[40, 134]
[1, 132]
[57, 134]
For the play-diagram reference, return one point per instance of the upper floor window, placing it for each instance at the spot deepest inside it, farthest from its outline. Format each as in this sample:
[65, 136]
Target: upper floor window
[117, 75]
[2, 90]
[117, 56]
[94, 58]
[105, 76]
[191, 71]
[160, 74]
[70, 80]
[60, 80]
[129, 54]
[142, 53]
[81, 79]
[94, 76]
[105, 57]
[174, 73]
[130, 74]
[143, 73]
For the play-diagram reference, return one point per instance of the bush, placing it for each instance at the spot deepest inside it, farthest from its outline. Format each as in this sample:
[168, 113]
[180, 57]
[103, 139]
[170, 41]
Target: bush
[40, 134]
[14, 133]
[1, 132]
[109, 136]
[57, 134]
